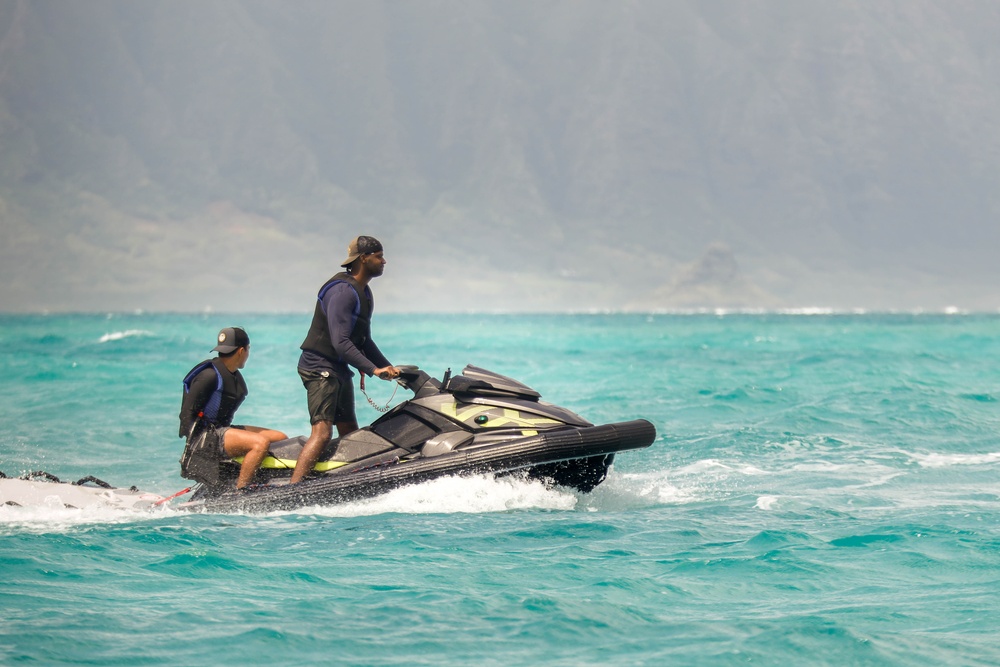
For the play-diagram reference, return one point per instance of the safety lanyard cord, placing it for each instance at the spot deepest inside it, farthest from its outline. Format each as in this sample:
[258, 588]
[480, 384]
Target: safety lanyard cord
[372, 403]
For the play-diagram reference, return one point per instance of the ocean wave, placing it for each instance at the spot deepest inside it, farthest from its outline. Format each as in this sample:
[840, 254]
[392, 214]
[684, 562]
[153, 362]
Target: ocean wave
[935, 460]
[121, 335]
[804, 311]
[53, 517]
[766, 503]
[623, 491]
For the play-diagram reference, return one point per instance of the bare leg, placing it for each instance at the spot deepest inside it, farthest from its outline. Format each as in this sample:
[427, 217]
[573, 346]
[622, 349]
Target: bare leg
[270, 434]
[321, 432]
[343, 428]
[251, 443]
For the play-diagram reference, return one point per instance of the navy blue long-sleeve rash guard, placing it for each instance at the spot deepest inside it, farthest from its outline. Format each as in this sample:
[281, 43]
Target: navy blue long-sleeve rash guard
[340, 304]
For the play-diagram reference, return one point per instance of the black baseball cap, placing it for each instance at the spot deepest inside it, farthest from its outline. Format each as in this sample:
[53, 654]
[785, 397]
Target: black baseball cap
[231, 339]
[361, 245]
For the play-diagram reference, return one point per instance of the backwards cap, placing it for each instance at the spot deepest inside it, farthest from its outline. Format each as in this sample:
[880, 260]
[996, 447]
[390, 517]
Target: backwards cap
[362, 245]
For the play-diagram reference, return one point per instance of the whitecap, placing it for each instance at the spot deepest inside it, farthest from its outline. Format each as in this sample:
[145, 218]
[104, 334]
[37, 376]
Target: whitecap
[120, 335]
[766, 502]
[945, 460]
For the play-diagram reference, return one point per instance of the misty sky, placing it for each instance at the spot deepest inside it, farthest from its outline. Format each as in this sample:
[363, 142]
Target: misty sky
[510, 155]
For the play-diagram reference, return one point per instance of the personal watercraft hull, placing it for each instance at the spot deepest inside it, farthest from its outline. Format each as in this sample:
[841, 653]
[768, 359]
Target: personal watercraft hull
[577, 457]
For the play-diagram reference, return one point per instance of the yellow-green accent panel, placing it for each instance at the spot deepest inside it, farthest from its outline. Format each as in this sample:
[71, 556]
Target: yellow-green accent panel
[272, 463]
[507, 417]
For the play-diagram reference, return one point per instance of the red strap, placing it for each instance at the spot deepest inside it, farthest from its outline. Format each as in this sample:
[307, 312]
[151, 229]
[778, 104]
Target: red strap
[169, 498]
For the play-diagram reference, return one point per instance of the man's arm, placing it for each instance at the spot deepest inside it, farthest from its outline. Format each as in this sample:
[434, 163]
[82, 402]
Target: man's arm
[339, 303]
[201, 390]
[371, 351]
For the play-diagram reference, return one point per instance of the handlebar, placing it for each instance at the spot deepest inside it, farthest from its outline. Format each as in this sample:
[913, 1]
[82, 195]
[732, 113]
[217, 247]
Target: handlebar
[414, 379]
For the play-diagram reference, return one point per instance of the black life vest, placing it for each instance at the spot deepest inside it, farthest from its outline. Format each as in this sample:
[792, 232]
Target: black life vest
[318, 338]
[219, 410]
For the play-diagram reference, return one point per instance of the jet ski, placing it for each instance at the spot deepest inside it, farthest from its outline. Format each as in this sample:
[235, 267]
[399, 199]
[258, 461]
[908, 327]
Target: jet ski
[476, 422]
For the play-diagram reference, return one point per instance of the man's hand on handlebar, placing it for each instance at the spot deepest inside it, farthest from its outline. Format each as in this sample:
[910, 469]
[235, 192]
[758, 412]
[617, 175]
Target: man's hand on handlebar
[387, 373]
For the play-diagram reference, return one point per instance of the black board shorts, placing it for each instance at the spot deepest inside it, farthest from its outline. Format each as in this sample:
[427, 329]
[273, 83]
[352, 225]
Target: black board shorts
[330, 398]
[203, 452]
[220, 433]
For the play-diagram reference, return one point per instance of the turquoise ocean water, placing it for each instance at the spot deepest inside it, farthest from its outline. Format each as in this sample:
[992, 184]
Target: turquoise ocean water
[823, 490]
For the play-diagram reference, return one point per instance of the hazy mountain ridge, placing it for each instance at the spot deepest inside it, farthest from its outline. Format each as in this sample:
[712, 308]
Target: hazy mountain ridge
[843, 154]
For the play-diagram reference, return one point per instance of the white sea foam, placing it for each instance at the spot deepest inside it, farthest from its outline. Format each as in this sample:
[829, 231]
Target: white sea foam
[449, 495]
[628, 490]
[120, 335]
[54, 517]
[705, 465]
[766, 502]
[947, 460]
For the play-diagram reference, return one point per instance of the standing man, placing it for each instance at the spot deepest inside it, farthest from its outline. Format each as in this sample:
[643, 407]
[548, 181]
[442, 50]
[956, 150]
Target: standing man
[339, 337]
[213, 391]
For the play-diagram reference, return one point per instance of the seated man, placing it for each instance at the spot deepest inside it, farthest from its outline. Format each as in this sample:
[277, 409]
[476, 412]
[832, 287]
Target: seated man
[213, 391]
